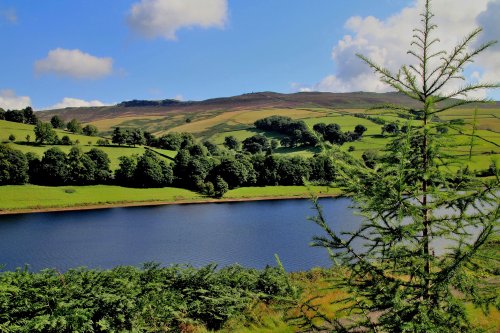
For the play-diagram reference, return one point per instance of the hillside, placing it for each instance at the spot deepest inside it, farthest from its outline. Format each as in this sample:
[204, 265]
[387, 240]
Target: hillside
[251, 101]
[214, 119]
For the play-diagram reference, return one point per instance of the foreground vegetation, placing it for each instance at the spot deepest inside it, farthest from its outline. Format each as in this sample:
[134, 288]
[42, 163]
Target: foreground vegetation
[400, 280]
[176, 299]
[128, 299]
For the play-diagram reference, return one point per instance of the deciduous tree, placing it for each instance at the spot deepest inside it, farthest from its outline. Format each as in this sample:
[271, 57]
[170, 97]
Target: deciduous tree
[44, 133]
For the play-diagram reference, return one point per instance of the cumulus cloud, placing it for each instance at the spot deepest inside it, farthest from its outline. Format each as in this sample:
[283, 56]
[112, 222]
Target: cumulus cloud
[10, 101]
[75, 64]
[386, 42]
[68, 102]
[162, 18]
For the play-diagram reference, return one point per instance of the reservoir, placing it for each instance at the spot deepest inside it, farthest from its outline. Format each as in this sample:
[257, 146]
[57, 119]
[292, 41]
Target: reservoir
[246, 233]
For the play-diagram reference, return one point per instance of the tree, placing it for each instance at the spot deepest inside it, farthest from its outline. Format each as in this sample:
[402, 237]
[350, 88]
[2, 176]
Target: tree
[81, 168]
[65, 140]
[33, 167]
[233, 171]
[53, 168]
[360, 129]
[212, 148]
[220, 187]
[57, 122]
[399, 281]
[134, 137]
[322, 169]
[293, 171]
[90, 130]
[230, 142]
[100, 158]
[74, 126]
[14, 116]
[171, 141]
[13, 166]
[370, 158]
[151, 140]
[12, 138]
[152, 172]
[29, 116]
[124, 175]
[44, 133]
[256, 144]
[119, 137]
[391, 128]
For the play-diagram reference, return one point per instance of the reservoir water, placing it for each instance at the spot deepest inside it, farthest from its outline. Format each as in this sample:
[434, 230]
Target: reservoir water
[247, 233]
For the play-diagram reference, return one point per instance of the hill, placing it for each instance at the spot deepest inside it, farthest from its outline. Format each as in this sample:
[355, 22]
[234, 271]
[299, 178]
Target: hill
[251, 101]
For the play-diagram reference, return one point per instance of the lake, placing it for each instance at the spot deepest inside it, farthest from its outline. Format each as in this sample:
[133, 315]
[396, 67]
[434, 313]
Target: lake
[247, 233]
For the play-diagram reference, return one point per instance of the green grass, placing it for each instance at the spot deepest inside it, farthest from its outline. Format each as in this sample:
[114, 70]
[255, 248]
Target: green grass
[216, 125]
[39, 197]
[16, 197]
[280, 191]
[21, 130]
[347, 123]
[114, 152]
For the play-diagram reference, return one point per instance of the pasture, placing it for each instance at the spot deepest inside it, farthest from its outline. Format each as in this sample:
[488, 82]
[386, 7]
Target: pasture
[15, 197]
[33, 197]
[86, 143]
[215, 125]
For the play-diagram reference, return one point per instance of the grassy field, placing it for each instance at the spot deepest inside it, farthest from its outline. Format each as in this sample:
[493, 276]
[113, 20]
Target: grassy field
[20, 131]
[280, 191]
[217, 124]
[25, 197]
[15, 197]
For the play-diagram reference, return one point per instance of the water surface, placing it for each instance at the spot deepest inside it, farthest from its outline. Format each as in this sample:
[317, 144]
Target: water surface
[247, 233]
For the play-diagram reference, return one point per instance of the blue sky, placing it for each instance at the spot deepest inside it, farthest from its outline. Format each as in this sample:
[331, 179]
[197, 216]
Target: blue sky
[92, 52]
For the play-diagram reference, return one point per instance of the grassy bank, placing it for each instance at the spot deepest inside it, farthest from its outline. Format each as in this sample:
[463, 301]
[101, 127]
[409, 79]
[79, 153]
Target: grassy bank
[33, 197]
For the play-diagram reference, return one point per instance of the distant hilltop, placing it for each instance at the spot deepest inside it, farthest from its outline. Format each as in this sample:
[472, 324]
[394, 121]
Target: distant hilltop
[250, 101]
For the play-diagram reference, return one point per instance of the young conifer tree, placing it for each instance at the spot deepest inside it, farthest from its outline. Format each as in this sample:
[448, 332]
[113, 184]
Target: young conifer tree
[424, 223]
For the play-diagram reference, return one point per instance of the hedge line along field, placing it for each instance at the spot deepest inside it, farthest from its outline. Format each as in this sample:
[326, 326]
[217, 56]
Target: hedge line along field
[25, 197]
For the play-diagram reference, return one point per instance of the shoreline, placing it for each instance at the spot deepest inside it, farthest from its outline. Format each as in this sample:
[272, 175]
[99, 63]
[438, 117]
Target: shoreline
[125, 204]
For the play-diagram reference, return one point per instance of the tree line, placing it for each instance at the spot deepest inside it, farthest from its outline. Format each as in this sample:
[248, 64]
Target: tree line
[195, 167]
[24, 116]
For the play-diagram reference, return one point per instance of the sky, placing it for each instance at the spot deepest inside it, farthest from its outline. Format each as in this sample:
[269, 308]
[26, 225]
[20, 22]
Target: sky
[99, 52]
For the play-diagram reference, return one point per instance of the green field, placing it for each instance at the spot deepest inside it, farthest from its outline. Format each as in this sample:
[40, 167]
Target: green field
[215, 125]
[485, 149]
[20, 131]
[280, 191]
[22, 197]
[16, 197]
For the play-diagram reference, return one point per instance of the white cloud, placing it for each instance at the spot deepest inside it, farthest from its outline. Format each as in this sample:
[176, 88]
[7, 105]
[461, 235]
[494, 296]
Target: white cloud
[69, 102]
[9, 15]
[386, 42]
[10, 101]
[162, 18]
[75, 64]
